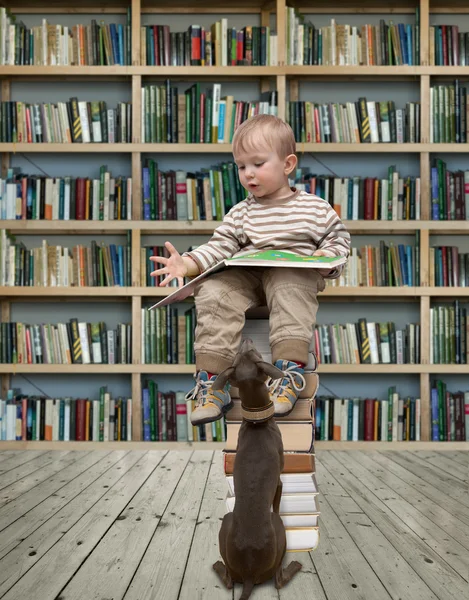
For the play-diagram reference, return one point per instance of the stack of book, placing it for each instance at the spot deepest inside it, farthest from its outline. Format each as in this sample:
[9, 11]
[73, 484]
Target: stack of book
[299, 507]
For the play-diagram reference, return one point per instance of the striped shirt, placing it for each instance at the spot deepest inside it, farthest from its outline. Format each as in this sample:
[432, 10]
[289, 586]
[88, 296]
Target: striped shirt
[302, 223]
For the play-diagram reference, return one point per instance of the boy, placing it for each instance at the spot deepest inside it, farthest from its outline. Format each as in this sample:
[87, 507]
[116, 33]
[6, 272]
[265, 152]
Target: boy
[273, 216]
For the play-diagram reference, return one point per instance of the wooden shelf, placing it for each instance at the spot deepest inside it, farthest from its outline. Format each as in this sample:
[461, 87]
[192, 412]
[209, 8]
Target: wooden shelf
[190, 369]
[116, 148]
[207, 227]
[156, 292]
[381, 147]
[363, 6]
[226, 148]
[358, 71]
[59, 71]
[71, 148]
[191, 446]
[129, 71]
[68, 292]
[70, 369]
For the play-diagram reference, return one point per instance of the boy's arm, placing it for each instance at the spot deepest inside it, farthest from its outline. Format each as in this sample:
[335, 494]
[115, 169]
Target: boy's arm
[334, 242]
[224, 243]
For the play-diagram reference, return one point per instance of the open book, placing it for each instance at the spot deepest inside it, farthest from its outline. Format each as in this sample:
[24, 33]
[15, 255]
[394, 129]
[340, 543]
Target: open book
[265, 258]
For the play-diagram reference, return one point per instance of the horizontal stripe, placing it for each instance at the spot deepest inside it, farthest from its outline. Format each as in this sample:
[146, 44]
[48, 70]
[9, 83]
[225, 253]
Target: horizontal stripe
[301, 225]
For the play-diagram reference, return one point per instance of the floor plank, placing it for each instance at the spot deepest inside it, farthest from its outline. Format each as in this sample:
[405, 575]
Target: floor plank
[200, 580]
[162, 567]
[453, 488]
[28, 468]
[446, 463]
[18, 458]
[4, 454]
[461, 456]
[306, 584]
[342, 569]
[449, 481]
[15, 564]
[399, 578]
[395, 514]
[38, 476]
[72, 466]
[36, 517]
[51, 573]
[161, 570]
[108, 570]
[439, 496]
[428, 512]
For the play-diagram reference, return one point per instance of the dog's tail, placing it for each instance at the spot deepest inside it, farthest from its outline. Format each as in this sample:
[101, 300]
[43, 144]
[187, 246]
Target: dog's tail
[247, 590]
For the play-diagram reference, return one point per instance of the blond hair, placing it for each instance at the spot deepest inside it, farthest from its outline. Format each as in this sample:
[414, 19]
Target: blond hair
[264, 130]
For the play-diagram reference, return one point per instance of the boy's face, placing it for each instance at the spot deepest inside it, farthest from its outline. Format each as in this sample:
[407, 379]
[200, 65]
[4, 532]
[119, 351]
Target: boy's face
[264, 173]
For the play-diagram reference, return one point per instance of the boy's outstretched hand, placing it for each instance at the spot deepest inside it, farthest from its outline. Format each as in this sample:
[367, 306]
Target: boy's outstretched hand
[175, 267]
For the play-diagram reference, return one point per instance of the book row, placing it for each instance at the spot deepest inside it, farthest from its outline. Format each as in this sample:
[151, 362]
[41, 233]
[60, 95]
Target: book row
[367, 342]
[392, 265]
[449, 334]
[65, 122]
[205, 117]
[448, 114]
[75, 342]
[449, 47]
[24, 418]
[168, 336]
[58, 266]
[206, 195]
[449, 193]
[197, 116]
[369, 198]
[371, 420]
[449, 414]
[210, 193]
[337, 44]
[219, 45]
[110, 265]
[166, 418]
[357, 122]
[56, 45]
[448, 267]
[66, 198]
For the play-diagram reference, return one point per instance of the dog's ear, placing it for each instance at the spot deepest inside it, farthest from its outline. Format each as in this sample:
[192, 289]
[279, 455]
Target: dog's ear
[223, 378]
[270, 370]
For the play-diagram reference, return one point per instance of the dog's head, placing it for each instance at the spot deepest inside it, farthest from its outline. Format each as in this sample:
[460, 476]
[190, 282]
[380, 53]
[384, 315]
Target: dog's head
[248, 365]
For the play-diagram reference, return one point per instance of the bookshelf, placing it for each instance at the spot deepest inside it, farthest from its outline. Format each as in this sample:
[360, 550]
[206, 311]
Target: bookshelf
[286, 80]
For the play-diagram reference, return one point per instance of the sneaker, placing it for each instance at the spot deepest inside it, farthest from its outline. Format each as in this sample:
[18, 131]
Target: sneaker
[211, 405]
[284, 392]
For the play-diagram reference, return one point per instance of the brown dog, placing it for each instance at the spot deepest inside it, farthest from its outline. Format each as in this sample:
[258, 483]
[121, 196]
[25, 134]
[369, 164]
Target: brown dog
[252, 538]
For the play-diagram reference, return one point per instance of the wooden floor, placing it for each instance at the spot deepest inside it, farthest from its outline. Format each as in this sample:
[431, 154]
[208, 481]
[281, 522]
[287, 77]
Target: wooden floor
[131, 525]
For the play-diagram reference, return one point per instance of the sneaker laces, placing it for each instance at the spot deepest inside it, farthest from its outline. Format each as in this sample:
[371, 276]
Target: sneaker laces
[202, 387]
[277, 386]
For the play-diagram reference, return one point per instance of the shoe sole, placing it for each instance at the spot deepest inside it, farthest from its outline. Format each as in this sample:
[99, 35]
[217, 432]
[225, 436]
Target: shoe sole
[224, 410]
[286, 413]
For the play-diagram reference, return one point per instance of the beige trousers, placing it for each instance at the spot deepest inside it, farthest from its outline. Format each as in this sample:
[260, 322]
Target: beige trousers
[222, 299]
